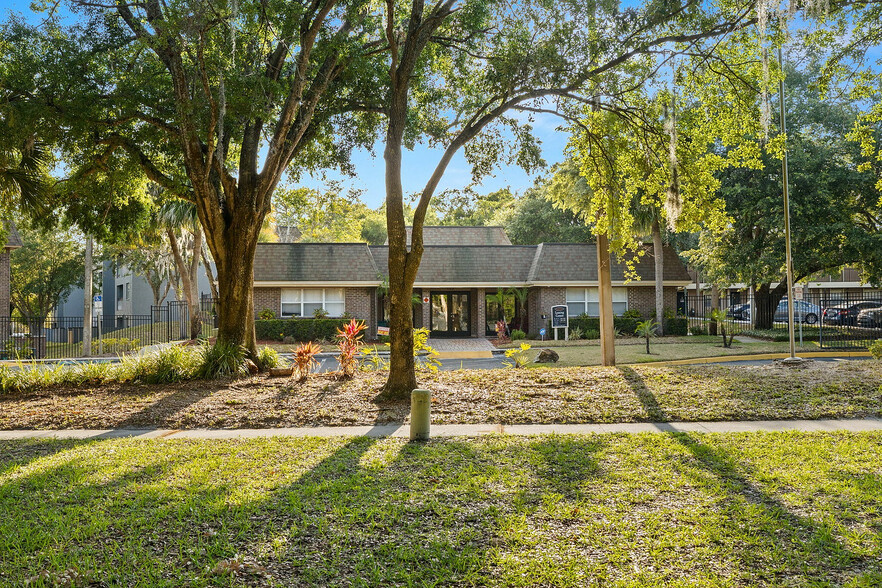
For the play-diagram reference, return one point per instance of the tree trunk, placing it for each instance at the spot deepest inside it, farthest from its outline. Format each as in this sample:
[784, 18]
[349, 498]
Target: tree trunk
[604, 289]
[233, 251]
[402, 370]
[87, 300]
[766, 301]
[659, 255]
[212, 284]
[715, 305]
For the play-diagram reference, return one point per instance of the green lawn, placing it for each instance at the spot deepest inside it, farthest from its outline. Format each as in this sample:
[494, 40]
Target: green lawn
[781, 509]
[633, 350]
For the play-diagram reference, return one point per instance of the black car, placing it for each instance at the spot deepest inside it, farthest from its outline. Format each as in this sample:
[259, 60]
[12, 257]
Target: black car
[740, 312]
[846, 314]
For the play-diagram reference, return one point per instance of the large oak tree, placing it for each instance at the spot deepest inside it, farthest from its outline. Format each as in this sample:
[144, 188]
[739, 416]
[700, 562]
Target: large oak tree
[212, 101]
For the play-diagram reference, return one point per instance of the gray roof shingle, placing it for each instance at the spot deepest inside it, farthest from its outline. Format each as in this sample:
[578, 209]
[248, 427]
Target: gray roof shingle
[577, 262]
[452, 235]
[488, 264]
[314, 262]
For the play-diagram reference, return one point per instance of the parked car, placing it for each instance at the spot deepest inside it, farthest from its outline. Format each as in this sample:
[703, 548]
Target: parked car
[740, 312]
[803, 312]
[870, 318]
[846, 315]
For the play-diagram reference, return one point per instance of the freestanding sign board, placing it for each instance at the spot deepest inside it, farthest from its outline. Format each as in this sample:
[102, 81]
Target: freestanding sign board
[560, 320]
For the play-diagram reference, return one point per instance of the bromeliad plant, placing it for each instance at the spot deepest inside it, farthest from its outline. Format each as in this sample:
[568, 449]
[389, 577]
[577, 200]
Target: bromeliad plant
[304, 359]
[518, 357]
[349, 342]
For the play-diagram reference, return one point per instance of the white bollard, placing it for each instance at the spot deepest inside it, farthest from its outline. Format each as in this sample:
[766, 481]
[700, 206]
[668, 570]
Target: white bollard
[420, 414]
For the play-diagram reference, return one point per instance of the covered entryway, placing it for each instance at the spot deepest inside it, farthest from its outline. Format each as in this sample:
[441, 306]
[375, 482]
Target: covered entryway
[450, 314]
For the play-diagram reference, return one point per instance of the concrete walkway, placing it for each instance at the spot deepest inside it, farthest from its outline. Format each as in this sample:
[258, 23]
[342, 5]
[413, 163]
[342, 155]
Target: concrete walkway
[474, 348]
[379, 431]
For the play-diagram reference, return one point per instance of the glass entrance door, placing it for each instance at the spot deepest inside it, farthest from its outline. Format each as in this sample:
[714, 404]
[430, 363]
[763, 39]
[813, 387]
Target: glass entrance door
[450, 314]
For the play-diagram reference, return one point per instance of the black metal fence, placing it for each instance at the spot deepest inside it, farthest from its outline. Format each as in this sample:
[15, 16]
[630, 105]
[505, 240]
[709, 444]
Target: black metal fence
[62, 337]
[848, 320]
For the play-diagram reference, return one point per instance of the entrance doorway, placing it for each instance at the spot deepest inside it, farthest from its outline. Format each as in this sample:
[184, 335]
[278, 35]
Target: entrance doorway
[450, 314]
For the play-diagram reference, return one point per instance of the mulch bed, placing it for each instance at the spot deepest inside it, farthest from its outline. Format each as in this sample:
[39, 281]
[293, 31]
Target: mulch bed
[550, 395]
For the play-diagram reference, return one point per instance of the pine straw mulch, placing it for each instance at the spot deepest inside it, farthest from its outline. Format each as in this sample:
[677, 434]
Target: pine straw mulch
[548, 395]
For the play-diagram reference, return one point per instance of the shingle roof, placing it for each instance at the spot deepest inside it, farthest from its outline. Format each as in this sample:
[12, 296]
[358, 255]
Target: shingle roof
[478, 263]
[569, 262]
[314, 262]
[488, 264]
[450, 235]
[13, 240]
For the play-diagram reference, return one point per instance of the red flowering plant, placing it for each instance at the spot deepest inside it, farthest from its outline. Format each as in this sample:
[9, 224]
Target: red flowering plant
[349, 342]
[304, 359]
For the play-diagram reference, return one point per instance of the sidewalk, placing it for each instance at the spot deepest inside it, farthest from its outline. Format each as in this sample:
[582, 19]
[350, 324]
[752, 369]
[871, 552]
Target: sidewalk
[378, 431]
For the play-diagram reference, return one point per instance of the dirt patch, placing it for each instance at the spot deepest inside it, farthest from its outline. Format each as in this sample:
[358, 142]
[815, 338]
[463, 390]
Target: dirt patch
[549, 395]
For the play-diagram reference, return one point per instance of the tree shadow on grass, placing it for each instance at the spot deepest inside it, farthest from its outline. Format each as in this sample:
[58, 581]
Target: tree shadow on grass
[787, 545]
[647, 399]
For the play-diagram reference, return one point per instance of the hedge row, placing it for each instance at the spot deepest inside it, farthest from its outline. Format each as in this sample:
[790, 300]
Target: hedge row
[299, 329]
[673, 326]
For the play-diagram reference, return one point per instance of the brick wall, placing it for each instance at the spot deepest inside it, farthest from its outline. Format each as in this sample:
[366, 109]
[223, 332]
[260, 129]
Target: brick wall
[5, 277]
[359, 304]
[642, 298]
[270, 298]
[480, 319]
[540, 302]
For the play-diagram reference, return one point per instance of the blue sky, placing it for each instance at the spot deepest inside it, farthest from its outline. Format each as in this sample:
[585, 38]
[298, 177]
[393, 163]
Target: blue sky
[417, 164]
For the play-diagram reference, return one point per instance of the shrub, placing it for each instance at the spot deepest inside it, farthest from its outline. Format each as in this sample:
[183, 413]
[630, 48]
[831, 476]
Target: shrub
[167, 366]
[632, 313]
[319, 313]
[698, 330]
[304, 359]
[349, 342]
[575, 334]
[427, 357]
[876, 349]
[587, 323]
[222, 359]
[297, 330]
[268, 358]
[517, 335]
[592, 334]
[266, 314]
[676, 326]
[518, 356]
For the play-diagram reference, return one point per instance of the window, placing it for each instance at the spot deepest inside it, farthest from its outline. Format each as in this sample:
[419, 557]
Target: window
[128, 290]
[119, 297]
[304, 301]
[585, 300]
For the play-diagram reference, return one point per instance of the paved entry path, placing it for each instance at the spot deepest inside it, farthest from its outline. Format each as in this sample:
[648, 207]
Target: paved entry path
[462, 348]
[403, 430]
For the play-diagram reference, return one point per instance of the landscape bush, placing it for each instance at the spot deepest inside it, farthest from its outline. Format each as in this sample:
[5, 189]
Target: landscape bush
[517, 335]
[875, 349]
[269, 358]
[297, 330]
[575, 334]
[698, 330]
[266, 314]
[222, 359]
[676, 326]
[626, 326]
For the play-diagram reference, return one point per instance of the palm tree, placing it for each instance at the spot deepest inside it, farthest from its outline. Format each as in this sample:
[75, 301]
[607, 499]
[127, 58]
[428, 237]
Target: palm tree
[521, 295]
[24, 180]
[649, 219]
[178, 217]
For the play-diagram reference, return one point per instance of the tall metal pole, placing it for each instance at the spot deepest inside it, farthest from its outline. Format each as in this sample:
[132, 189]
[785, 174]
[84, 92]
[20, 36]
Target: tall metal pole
[789, 257]
[87, 300]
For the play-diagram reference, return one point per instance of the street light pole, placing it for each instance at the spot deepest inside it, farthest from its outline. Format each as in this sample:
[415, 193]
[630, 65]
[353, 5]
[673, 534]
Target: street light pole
[789, 257]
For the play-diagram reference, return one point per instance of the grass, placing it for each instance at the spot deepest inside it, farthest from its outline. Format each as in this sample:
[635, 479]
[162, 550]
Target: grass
[633, 349]
[777, 509]
[544, 395]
